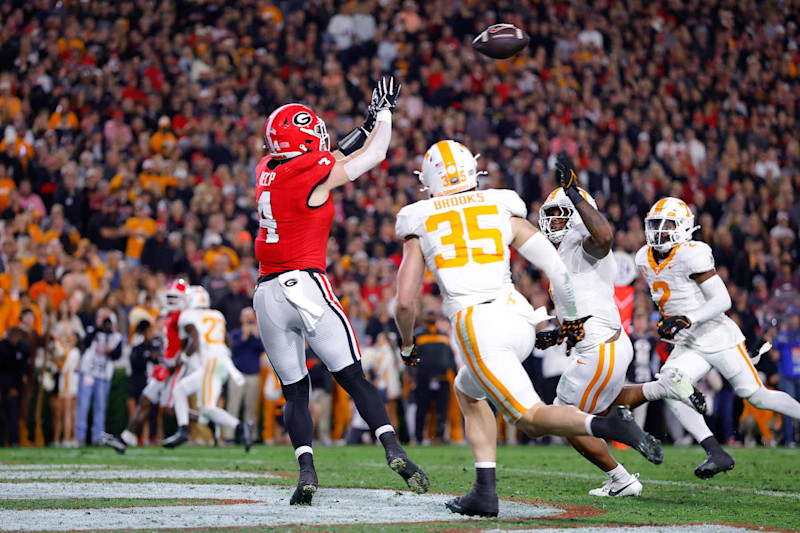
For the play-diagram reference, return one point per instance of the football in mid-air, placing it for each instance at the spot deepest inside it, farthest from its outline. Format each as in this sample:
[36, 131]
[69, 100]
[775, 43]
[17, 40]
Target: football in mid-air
[501, 41]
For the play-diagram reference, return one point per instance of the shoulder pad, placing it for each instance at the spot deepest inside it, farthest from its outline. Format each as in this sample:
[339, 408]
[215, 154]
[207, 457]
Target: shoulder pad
[697, 256]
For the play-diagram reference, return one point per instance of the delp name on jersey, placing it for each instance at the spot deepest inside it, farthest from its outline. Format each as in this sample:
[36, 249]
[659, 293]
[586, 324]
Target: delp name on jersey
[676, 293]
[465, 240]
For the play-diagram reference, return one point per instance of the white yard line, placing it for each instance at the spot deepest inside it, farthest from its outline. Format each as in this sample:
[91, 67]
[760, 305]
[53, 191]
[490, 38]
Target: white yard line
[78, 474]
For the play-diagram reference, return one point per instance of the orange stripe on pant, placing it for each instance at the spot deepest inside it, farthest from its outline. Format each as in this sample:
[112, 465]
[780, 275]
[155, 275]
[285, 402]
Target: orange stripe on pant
[486, 373]
[749, 363]
[596, 377]
[605, 381]
[203, 385]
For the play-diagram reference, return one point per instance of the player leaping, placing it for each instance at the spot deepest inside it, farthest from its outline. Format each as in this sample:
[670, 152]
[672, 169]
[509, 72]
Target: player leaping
[693, 299]
[595, 377]
[204, 332]
[464, 236]
[294, 301]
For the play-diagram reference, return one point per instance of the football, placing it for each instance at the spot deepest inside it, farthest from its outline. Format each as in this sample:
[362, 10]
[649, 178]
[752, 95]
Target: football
[501, 41]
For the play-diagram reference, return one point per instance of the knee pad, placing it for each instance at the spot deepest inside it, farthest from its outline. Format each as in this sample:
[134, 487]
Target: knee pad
[298, 391]
[756, 397]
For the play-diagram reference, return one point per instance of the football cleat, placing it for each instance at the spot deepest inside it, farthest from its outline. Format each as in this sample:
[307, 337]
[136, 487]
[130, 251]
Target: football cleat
[306, 487]
[245, 430]
[180, 437]
[715, 463]
[474, 504]
[415, 478]
[113, 442]
[624, 429]
[616, 489]
[679, 387]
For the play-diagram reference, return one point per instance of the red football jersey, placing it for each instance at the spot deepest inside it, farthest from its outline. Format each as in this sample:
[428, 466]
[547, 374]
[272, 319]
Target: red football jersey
[172, 339]
[293, 236]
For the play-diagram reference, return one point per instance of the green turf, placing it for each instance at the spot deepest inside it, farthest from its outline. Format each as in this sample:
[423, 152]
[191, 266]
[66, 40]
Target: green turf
[98, 503]
[763, 489]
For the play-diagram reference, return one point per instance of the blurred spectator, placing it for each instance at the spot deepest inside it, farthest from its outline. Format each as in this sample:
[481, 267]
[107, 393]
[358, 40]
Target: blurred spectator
[787, 348]
[14, 361]
[432, 387]
[246, 351]
[67, 356]
[143, 357]
[645, 360]
[320, 402]
[103, 346]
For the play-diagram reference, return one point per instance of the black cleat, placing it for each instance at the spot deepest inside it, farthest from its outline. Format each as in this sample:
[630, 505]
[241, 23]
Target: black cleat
[474, 504]
[245, 430]
[624, 429]
[181, 436]
[113, 442]
[306, 487]
[415, 478]
[715, 463]
[698, 401]
[212, 427]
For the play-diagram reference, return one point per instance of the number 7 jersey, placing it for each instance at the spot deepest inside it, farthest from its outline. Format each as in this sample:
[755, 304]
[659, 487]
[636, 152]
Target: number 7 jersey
[465, 239]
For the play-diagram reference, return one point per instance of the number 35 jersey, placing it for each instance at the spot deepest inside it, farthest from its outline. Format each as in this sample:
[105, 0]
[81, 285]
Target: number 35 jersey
[292, 235]
[465, 239]
[676, 293]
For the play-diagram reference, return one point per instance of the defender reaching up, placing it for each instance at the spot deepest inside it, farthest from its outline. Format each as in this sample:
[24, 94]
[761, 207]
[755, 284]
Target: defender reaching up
[465, 236]
[294, 301]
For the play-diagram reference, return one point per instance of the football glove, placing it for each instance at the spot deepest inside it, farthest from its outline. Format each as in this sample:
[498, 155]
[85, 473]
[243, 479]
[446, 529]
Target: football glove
[572, 331]
[565, 171]
[409, 355]
[668, 327]
[384, 96]
[547, 338]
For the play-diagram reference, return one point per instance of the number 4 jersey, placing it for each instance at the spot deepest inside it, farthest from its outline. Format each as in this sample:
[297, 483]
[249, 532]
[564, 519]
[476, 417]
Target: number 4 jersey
[465, 239]
[292, 235]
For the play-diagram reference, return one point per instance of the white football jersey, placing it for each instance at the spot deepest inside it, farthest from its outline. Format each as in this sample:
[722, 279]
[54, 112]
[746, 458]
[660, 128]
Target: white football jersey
[676, 293]
[465, 239]
[211, 330]
[593, 281]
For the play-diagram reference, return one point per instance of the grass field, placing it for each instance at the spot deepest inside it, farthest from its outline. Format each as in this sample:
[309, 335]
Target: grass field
[763, 489]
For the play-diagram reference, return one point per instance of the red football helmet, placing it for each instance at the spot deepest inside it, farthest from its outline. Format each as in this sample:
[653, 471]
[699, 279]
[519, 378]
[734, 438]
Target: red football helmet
[292, 130]
[176, 295]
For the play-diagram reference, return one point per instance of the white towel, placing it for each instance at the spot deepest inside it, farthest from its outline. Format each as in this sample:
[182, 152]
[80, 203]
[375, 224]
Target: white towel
[292, 287]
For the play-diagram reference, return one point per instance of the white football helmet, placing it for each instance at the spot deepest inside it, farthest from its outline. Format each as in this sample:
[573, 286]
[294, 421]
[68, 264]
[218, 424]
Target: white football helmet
[449, 168]
[558, 206]
[198, 298]
[176, 295]
[668, 223]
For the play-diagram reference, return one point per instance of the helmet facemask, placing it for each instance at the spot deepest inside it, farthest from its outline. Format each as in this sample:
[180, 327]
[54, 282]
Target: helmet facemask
[320, 131]
[549, 214]
[663, 233]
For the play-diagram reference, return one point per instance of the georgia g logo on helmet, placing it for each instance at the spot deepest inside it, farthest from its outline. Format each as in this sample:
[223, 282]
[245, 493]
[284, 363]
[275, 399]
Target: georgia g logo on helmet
[302, 118]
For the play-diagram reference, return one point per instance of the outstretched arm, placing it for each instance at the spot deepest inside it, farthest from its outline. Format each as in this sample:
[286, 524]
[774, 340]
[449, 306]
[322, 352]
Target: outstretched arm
[601, 237]
[409, 281]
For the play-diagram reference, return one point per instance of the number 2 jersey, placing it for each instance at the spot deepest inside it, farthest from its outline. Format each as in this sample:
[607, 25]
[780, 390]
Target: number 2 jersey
[292, 235]
[211, 331]
[465, 239]
[676, 293]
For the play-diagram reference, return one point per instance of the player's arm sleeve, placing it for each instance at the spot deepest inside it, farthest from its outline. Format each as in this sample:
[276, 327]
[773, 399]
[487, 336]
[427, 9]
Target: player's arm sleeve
[542, 254]
[700, 258]
[717, 300]
[405, 226]
[374, 149]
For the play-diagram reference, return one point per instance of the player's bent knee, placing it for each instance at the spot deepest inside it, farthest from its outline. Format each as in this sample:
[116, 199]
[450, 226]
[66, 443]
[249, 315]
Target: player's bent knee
[298, 391]
[754, 396]
[350, 374]
[527, 422]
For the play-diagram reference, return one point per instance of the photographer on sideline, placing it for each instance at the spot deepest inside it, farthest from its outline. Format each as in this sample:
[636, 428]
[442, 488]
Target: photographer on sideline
[103, 346]
[246, 350]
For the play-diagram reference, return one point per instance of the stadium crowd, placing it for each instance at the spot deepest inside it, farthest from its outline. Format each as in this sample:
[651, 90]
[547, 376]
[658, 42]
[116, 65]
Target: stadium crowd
[130, 131]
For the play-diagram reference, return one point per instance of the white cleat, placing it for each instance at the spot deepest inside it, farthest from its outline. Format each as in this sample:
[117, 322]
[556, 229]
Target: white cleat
[679, 387]
[615, 489]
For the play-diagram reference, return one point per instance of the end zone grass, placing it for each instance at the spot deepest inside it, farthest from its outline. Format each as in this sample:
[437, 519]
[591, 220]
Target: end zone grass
[763, 489]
